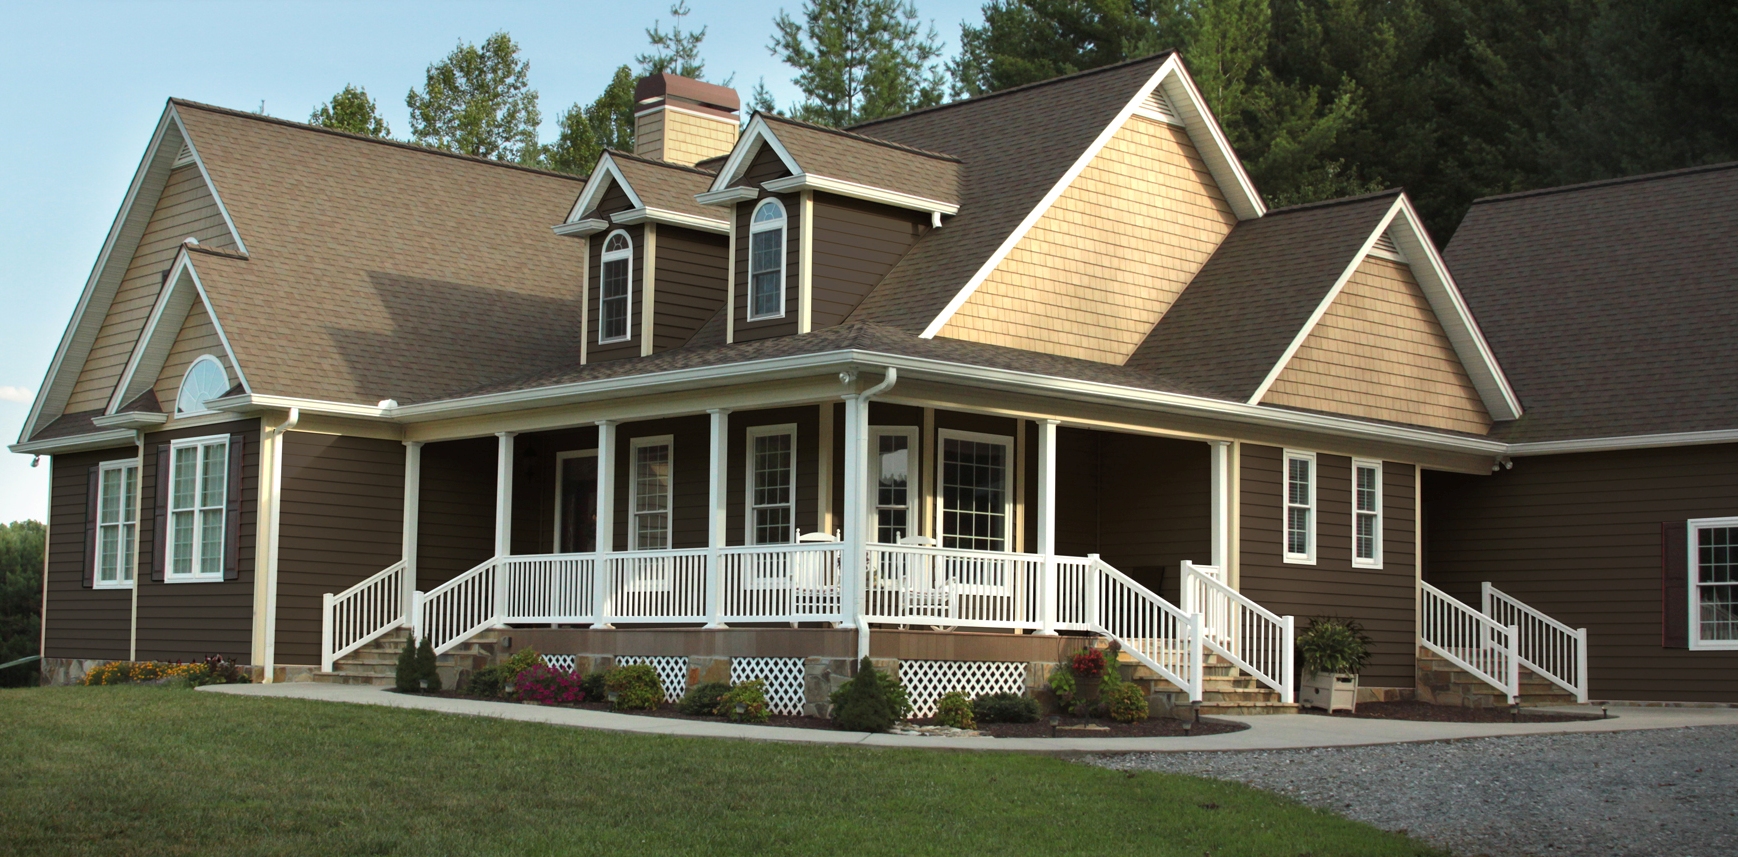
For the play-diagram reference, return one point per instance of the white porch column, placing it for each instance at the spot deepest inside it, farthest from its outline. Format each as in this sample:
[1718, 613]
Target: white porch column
[503, 514]
[1047, 521]
[853, 562]
[412, 509]
[716, 506]
[1219, 499]
[606, 521]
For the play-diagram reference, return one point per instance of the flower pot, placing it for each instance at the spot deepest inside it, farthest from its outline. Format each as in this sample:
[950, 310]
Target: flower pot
[1329, 691]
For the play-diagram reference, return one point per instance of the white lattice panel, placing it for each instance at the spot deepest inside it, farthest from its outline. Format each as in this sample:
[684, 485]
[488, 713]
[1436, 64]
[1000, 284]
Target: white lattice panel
[672, 672]
[783, 678]
[564, 663]
[926, 681]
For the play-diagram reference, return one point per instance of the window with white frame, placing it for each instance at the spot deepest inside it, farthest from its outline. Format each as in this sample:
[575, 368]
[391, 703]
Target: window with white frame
[117, 522]
[1366, 513]
[198, 488]
[203, 381]
[772, 454]
[649, 493]
[892, 471]
[1300, 506]
[975, 500]
[614, 279]
[766, 261]
[1713, 583]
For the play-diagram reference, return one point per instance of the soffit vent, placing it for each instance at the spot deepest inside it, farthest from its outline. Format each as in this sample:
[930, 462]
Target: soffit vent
[1158, 105]
[1387, 249]
[184, 157]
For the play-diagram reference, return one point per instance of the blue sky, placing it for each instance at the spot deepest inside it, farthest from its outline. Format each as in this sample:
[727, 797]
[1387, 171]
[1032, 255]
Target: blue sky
[84, 84]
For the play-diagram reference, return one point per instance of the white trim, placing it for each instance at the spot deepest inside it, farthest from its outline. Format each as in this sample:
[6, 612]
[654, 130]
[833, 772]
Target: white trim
[175, 448]
[181, 388]
[581, 228]
[211, 186]
[913, 475]
[1621, 442]
[130, 420]
[733, 120]
[74, 443]
[728, 196]
[155, 341]
[606, 256]
[805, 261]
[752, 434]
[940, 465]
[1380, 512]
[1693, 584]
[648, 289]
[1245, 203]
[594, 188]
[634, 447]
[132, 555]
[1308, 557]
[561, 458]
[671, 218]
[747, 146]
[784, 245]
[855, 190]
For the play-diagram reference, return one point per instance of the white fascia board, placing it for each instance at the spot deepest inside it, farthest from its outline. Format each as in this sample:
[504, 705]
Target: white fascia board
[164, 324]
[727, 196]
[1615, 444]
[733, 121]
[130, 420]
[248, 403]
[753, 137]
[75, 443]
[672, 218]
[1221, 159]
[581, 228]
[854, 190]
[210, 186]
[595, 185]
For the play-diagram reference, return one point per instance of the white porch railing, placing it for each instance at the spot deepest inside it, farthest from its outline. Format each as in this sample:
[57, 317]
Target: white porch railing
[781, 583]
[1470, 640]
[1164, 638]
[359, 615]
[549, 588]
[656, 586]
[1542, 644]
[953, 588]
[450, 613]
[1253, 638]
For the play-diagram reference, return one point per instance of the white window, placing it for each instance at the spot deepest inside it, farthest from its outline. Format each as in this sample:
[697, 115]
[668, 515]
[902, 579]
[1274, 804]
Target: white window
[1300, 507]
[976, 504]
[766, 261]
[772, 454]
[892, 471]
[198, 488]
[649, 493]
[1366, 513]
[1713, 572]
[615, 303]
[203, 381]
[117, 522]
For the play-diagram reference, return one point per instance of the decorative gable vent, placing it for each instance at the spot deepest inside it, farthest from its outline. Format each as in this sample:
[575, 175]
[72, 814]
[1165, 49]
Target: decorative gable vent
[1158, 106]
[1387, 249]
[184, 157]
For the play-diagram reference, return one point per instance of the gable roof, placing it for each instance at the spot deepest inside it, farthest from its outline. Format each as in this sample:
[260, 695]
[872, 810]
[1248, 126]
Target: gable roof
[1610, 303]
[181, 291]
[841, 162]
[658, 190]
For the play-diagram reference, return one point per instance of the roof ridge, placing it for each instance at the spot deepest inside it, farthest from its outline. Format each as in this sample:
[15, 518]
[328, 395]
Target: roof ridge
[385, 141]
[1344, 200]
[1164, 54]
[865, 138]
[1580, 186]
[657, 163]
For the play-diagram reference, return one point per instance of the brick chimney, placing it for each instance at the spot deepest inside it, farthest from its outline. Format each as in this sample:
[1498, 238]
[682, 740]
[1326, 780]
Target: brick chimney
[683, 120]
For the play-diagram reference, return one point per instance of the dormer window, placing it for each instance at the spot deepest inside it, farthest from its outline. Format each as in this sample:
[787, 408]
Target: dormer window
[615, 301]
[205, 380]
[766, 261]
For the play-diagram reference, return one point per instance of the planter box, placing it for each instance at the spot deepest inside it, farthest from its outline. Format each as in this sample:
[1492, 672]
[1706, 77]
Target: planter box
[1329, 691]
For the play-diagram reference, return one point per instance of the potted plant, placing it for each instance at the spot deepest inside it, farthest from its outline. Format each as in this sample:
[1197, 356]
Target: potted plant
[1331, 653]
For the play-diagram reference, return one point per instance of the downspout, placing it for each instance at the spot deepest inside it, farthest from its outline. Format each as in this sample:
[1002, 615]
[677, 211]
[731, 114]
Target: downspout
[138, 509]
[885, 385]
[269, 579]
[856, 529]
[47, 535]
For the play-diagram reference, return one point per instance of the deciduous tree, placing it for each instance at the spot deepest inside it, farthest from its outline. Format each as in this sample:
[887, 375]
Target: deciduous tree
[479, 101]
[353, 111]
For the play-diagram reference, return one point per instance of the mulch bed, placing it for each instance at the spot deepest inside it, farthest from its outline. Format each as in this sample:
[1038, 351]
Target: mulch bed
[1413, 710]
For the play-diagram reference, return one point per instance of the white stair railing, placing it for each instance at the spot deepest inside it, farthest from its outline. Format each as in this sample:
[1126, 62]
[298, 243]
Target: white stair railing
[361, 614]
[781, 583]
[450, 613]
[1250, 636]
[548, 588]
[1470, 640]
[1164, 638]
[1542, 644]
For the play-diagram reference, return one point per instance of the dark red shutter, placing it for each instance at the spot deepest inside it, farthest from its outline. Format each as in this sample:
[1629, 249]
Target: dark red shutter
[90, 527]
[160, 516]
[232, 508]
[1674, 585]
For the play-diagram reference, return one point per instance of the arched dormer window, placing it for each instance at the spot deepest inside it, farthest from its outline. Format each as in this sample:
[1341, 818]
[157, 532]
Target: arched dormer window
[203, 381]
[766, 261]
[615, 303]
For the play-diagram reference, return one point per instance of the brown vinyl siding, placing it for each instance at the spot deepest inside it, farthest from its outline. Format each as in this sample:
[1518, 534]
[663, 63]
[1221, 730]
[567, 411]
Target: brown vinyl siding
[808, 425]
[615, 200]
[184, 621]
[690, 284]
[81, 622]
[1578, 537]
[856, 243]
[455, 509]
[766, 166]
[342, 520]
[534, 478]
[690, 465]
[1141, 503]
[1382, 600]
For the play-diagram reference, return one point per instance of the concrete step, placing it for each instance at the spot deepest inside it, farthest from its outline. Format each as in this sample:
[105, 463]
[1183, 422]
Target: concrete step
[1248, 709]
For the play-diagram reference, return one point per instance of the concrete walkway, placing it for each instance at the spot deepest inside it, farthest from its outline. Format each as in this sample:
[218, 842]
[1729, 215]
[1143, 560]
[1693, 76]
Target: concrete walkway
[1274, 732]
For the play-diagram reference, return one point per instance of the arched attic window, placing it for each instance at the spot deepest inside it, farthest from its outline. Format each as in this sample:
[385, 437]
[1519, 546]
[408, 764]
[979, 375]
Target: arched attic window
[615, 277]
[766, 261]
[204, 380]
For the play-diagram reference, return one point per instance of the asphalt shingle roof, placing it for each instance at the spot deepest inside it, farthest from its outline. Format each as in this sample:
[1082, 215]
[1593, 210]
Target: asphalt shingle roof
[868, 161]
[670, 187]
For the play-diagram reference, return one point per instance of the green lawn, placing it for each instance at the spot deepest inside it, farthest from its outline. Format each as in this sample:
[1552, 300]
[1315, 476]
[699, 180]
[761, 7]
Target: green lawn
[143, 770]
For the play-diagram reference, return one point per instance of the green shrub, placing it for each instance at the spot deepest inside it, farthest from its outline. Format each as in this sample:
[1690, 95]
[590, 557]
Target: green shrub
[1333, 645]
[636, 687]
[521, 661]
[1063, 687]
[1005, 708]
[596, 686]
[488, 683]
[426, 669]
[751, 696]
[702, 699]
[407, 676]
[1126, 702]
[863, 704]
[954, 709]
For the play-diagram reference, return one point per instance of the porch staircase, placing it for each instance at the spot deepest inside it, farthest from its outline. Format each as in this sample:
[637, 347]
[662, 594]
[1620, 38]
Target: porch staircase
[1225, 689]
[1441, 682]
[376, 663]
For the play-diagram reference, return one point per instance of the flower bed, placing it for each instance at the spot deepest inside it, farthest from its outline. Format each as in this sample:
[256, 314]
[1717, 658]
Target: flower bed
[216, 669]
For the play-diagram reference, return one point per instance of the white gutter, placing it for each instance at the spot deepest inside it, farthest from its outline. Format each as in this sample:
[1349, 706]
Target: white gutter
[885, 385]
[1635, 441]
[74, 443]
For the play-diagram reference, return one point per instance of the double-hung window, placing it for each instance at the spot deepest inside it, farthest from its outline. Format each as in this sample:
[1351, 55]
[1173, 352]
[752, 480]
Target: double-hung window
[198, 488]
[649, 497]
[893, 467]
[772, 484]
[614, 279]
[766, 261]
[1366, 513]
[975, 496]
[1300, 507]
[117, 522]
[1713, 582]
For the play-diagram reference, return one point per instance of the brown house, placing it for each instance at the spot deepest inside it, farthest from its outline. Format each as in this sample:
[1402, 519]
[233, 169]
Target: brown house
[962, 388]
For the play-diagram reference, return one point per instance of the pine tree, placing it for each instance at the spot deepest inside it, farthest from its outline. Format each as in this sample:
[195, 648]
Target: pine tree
[479, 101]
[858, 60]
[407, 673]
[353, 111]
[675, 52]
[427, 672]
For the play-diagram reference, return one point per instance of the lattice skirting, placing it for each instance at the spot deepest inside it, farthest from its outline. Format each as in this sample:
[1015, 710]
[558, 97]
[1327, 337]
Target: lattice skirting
[672, 672]
[563, 663]
[926, 681]
[783, 678]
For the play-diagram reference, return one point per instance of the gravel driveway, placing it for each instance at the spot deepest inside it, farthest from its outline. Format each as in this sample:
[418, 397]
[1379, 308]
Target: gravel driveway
[1667, 792]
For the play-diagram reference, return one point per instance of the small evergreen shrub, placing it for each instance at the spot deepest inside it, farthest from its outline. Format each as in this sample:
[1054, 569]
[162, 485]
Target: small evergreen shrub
[702, 699]
[596, 687]
[488, 683]
[954, 709]
[636, 687]
[751, 696]
[407, 675]
[1126, 702]
[426, 669]
[1333, 645]
[544, 684]
[1005, 708]
[863, 703]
